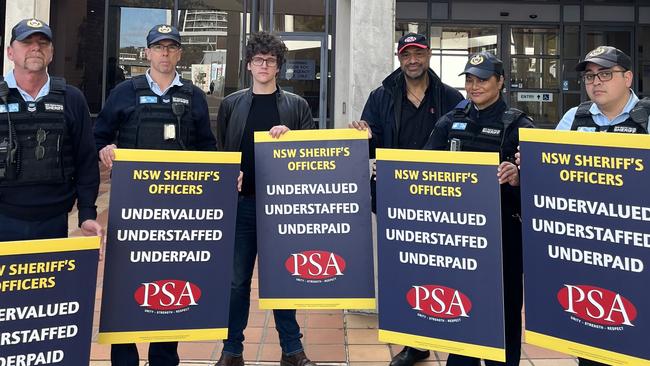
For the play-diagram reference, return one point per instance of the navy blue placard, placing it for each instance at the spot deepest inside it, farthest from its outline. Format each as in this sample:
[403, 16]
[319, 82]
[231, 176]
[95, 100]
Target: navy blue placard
[439, 248]
[47, 301]
[587, 245]
[314, 220]
[167, 277]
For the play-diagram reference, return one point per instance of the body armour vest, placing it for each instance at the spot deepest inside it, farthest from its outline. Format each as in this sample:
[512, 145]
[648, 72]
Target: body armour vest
[480, 137]
[159, 122]
[35, 144]
[637, 122]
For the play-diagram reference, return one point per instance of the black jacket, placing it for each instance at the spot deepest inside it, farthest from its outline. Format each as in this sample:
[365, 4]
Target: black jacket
[383, 109]
[233, 112]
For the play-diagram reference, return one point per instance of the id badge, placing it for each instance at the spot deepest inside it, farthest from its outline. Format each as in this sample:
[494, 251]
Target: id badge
[169, 131]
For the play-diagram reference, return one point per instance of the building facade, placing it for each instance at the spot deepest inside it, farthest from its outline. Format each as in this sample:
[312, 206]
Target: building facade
[339, 50]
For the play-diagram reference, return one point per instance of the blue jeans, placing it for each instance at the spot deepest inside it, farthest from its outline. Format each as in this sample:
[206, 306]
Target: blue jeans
[240, 290]
[18, 229]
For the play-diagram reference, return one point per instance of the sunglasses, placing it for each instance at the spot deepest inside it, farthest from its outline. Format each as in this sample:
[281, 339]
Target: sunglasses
[41, 136]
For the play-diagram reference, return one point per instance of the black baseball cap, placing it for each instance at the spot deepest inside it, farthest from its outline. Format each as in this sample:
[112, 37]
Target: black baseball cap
[162, 32]
[483, 65]
[27, 27]
[412, 40]
[606, 56]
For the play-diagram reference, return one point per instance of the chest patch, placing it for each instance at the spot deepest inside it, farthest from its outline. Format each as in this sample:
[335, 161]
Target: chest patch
[586, 129]
[490, 131]
[459, 126]
[13, 107]
[624, 129]
[54, 107]
[148, 99]
[180, 100]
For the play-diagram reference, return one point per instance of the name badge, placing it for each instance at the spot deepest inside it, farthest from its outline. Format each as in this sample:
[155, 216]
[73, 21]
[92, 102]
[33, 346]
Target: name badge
[180, 100]
[625, 129]
[460, 126]
[491, 131]
[54, 107]
[13, 107]
[586, 129]
[148, 99]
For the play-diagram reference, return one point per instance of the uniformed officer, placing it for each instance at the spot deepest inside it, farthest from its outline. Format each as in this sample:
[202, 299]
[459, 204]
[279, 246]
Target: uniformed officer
[158, 110]
[612, 106]
[484, 122]
[47, 157]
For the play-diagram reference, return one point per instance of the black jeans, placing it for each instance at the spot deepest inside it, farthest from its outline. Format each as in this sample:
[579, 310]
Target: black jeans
[160, 354]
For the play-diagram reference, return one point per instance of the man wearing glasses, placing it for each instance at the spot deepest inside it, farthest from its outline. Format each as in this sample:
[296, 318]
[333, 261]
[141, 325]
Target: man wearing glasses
[612, 106]
[607, 75]
[47, 158]
[262, 107]
[162, 111]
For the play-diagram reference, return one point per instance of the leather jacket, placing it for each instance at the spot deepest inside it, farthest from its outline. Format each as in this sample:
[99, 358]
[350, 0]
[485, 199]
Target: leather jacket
[233, 112]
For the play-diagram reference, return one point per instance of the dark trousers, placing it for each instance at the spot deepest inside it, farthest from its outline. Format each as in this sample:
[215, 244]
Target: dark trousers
[17, 229]
[240, 291]
[513, 303]
[160, 354]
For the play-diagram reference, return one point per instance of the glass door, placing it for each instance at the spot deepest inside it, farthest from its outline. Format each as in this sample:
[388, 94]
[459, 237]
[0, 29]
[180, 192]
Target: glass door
[305, 72]
[534, 83]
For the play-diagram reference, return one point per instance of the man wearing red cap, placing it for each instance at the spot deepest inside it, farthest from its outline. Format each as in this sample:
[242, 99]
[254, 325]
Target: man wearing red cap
[401, 114]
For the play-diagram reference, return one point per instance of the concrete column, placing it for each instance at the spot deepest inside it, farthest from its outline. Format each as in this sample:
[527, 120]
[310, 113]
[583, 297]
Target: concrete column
[17, 11]
[364, 54]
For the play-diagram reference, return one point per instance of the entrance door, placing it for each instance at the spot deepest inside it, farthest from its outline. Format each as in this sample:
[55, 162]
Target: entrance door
[305, 72]
[534, 64]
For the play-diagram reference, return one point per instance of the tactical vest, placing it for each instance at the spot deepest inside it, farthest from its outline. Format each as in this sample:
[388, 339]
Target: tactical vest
[480, 137]
[40, 149]
[637, 122]
[159, 122]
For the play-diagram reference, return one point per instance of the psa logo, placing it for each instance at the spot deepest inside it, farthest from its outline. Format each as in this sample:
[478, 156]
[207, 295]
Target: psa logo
[596, 305]
[166, 296]
[439, 303]
[315, 266]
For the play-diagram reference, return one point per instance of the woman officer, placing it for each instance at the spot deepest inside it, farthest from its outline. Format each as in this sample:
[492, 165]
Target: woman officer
[483, 122]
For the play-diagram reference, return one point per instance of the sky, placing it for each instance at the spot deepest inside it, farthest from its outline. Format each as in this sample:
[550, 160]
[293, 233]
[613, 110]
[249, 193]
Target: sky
[135, 23]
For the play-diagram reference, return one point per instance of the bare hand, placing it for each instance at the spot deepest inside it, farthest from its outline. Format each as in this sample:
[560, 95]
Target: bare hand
[518, 157]
[508, 172]
[374, 170]
[361, 126]
[107, 155]
[240, 179]
[277, 131]
[93, 228]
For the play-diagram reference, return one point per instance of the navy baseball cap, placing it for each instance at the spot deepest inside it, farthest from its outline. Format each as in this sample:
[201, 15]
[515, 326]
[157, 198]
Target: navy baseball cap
[483, 65]
[161, 32]
[606, 56]
[412, 40]
[27, 27]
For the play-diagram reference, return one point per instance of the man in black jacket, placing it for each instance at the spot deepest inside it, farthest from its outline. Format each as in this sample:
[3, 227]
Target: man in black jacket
[263, 107]
[401, 114]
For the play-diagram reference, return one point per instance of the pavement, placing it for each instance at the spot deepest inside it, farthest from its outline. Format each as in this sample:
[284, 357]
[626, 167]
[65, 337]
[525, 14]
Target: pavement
[330, 337]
